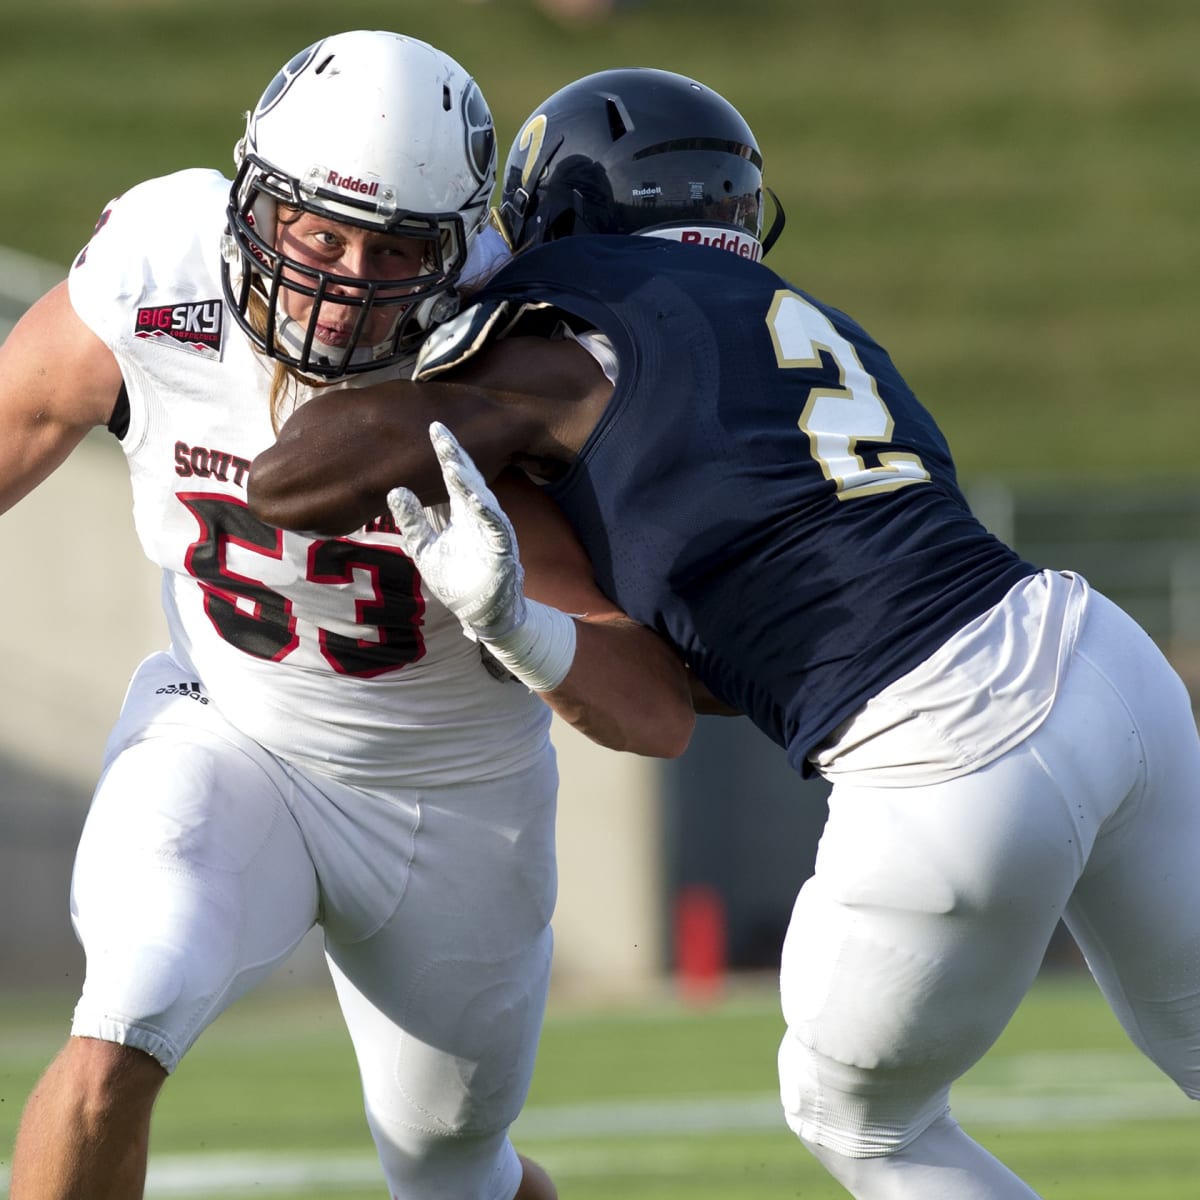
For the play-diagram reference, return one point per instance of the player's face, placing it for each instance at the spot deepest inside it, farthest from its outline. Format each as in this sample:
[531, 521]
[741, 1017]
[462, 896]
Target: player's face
[327, 245]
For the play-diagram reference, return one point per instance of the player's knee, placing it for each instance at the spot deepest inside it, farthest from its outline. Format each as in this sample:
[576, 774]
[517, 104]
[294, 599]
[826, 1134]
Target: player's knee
[149, 987]
[106, 1077]
[465, 1166]
[840, 1110]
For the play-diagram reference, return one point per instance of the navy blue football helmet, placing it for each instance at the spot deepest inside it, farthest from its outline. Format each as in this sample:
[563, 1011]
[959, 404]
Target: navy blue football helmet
[637, 150]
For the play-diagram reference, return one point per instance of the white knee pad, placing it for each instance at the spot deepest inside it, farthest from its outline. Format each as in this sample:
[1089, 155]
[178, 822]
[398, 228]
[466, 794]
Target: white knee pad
[484, 1167]
[833, 1106]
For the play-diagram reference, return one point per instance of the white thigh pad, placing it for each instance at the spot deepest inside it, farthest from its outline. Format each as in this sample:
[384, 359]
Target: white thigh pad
[191, 883]
[910, 947]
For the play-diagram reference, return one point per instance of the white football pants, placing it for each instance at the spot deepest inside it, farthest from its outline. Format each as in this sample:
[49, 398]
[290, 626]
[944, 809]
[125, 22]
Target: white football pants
[931, 907]
[204, 861]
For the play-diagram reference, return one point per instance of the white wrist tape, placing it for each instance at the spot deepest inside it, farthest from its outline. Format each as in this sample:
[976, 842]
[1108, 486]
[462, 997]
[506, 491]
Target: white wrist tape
[540, 651]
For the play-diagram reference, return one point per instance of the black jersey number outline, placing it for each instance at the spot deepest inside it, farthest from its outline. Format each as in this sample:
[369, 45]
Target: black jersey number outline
[261, 621]
[836, 419]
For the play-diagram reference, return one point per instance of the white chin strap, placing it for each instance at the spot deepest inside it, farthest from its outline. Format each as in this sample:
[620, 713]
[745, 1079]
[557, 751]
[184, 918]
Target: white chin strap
[430, 311]
[290, 336]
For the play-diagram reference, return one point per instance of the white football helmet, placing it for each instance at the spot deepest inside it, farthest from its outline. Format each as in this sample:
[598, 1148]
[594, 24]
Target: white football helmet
[374, 130]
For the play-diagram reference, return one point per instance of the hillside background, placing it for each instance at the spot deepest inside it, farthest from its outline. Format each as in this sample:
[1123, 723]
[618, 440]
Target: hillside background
[1004, 193]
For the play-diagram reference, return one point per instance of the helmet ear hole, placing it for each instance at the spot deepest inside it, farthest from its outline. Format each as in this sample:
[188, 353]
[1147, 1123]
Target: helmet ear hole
[262, 217]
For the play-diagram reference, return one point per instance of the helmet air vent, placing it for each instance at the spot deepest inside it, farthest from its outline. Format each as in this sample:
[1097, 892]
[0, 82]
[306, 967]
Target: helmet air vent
[619, 123]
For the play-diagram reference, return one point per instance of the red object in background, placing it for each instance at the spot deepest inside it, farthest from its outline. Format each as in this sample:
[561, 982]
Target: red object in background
[700, 942]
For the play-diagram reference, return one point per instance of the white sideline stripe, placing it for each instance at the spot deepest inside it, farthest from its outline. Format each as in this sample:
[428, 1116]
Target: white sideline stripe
[297, 1173]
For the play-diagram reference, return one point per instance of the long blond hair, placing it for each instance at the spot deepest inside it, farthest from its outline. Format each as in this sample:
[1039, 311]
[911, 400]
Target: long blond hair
[285, 381]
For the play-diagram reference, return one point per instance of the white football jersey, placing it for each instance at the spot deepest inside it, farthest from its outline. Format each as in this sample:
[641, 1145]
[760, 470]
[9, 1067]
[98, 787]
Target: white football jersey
[325, 650]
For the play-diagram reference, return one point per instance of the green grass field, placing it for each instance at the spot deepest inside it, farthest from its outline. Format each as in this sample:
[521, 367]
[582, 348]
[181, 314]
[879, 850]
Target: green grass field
[1004, 193]
[654, 1102]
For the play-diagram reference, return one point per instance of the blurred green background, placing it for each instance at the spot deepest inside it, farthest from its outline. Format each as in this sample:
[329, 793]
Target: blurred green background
[1004, 193]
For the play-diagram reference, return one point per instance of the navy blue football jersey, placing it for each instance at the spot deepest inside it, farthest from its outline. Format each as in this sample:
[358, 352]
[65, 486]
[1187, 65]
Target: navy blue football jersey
[763, 488]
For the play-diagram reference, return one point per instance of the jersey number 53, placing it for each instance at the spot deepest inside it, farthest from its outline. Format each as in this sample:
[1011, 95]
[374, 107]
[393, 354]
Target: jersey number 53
[260, 620]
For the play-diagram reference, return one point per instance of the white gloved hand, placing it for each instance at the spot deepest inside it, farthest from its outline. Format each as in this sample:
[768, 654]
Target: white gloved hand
[473, 567]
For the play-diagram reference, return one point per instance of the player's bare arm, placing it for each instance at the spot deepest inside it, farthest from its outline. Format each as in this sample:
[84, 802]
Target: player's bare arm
[335, 458]
[703, 701]
[626, 688]
[608, 676]
[525, 402]
[49, 401]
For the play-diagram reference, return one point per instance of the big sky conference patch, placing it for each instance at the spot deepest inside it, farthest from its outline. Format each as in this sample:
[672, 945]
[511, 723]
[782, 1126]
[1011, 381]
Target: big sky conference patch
[193, 326]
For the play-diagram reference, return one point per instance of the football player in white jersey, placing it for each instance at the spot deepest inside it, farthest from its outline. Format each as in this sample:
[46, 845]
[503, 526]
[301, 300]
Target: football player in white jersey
[320, 743]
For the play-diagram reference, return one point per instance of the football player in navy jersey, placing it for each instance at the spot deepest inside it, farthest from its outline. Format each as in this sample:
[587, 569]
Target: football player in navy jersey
[752, 477]
[338, 753]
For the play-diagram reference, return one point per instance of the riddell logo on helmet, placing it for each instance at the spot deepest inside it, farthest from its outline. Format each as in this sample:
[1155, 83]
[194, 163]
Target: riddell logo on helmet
[736, 243]
[350, 183]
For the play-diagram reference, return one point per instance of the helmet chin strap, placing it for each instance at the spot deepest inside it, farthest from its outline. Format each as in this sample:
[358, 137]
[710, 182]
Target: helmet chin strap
[290, 334]
[429, 312]
[776, 225]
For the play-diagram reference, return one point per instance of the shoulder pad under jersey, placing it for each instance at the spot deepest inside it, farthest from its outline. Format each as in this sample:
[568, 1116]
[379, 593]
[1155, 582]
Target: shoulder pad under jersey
[456, 340]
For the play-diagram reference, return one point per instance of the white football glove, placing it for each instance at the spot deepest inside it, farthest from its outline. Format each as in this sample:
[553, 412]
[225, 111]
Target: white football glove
[473, 567]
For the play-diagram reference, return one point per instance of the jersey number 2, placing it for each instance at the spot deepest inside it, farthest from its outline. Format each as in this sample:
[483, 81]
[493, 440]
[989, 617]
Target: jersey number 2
[836, 419]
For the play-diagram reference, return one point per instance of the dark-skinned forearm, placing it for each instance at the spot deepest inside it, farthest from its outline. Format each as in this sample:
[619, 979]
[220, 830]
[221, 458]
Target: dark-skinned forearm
[335, 460]
[703, 701]
[626, 690]
[340, 453]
